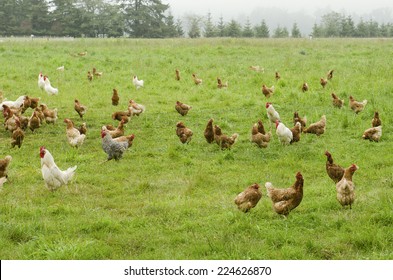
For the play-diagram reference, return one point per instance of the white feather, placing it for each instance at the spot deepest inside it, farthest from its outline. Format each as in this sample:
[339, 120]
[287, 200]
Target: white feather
[53, 176]
[48, 87]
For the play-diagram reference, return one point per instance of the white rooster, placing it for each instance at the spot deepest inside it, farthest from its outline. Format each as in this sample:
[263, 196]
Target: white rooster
[48, 87]
[41, 83]
[137, 83]
[54, 177]
[272, 114]
[13, 104]
[284, 133]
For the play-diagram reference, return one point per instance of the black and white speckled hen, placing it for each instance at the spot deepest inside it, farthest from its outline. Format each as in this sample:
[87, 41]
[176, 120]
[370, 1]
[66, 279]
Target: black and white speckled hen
[112, 148]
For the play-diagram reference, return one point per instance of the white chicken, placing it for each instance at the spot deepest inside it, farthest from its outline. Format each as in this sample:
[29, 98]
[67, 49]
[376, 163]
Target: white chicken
[48, 87]
[2, 181]
[284, 133]
[41, 83]
[135, 108]
[74, 137]
[272, 114]
[18, 103]
[54, 177]
[137, 83]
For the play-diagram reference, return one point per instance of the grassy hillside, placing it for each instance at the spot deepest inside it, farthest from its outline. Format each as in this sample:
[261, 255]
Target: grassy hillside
[166, 200]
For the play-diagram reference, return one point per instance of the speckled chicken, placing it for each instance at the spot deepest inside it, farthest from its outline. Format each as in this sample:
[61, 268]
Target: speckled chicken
[346, 188]
[112, 148]
[184, 133]
[334, 171]
[182, 108]
[285, 200]
[248, 198]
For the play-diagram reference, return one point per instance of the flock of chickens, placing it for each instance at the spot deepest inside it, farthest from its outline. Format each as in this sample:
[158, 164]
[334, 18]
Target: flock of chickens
[284, 200]
[115, 143]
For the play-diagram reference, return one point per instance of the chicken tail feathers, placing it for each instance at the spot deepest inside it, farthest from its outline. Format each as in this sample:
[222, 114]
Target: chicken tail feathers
[69, 173]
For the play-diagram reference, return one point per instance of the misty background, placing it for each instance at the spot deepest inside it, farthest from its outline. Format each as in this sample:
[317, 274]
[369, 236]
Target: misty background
[281, 13]
[196, 18]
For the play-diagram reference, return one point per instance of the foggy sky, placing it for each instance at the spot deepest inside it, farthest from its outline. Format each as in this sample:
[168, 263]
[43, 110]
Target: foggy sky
[283, 13]
[231, 8]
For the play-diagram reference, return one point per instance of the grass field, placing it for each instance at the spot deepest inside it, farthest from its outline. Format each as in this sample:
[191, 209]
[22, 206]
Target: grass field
[166, 200]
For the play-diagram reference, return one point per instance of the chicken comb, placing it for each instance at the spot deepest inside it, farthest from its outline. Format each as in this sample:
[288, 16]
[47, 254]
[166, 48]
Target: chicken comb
[42, 148]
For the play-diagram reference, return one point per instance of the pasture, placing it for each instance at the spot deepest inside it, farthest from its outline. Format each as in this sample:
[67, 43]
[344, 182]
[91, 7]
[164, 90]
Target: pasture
[168, 200]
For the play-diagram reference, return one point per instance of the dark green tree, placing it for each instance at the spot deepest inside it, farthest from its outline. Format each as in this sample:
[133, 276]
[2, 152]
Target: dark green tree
[10, 17]
[170, 28]
[262, 30]
[295, 33]
[194, 30]
[233, 29]
[144, 18]
[247, 29]
[361, 29]
[331, 23]
[209, 29]
[179, 28]
[221, 26]
[281, 32]
[317, 31]
[347, 27]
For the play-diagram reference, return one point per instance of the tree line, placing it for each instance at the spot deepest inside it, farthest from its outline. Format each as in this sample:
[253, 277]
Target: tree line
[152, 19]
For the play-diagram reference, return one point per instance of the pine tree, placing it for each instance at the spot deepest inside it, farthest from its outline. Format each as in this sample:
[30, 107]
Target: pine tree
[247, 29]
[233, 29]
[210, 29]
[295, 33]
[195, 30]
[221, 26]
[262, 30]
[179, 28]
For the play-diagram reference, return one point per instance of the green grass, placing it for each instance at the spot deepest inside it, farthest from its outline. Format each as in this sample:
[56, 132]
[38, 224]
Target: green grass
[166, 200]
